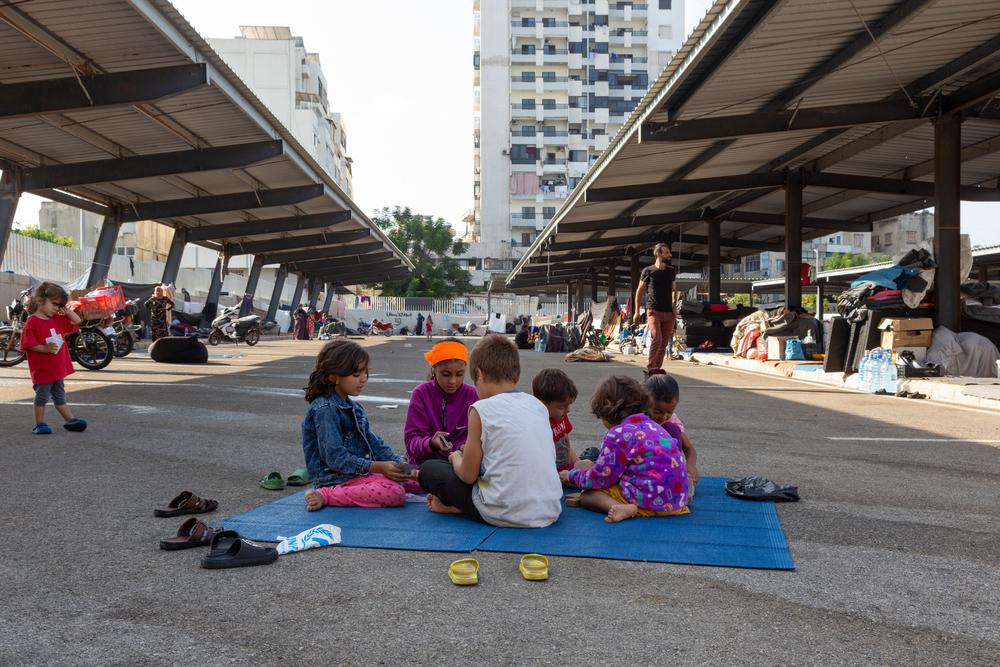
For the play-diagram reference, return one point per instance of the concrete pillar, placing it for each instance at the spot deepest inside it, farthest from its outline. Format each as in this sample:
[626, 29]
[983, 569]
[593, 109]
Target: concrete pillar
[329, 297]
[579, 296]
[9, 197]
[212, 300]
[251, 289]
[947, 220]
[715, 261]
[793, 239]
[173, 265]
[313, 293]
[612, 277]
[634, 272]
[105, 251]
[279, 285]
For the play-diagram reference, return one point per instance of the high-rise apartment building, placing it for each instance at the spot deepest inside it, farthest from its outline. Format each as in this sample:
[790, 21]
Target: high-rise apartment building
[289, 80]
[554, 81]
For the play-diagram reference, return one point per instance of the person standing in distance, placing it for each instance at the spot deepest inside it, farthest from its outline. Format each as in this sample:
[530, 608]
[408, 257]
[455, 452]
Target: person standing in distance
[659, 282]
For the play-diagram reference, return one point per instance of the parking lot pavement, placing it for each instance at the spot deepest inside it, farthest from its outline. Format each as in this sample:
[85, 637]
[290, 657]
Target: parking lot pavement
[896, 541]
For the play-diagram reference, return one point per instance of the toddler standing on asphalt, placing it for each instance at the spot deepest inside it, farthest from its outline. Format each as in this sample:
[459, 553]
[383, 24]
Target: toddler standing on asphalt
[557, 392]
[640, 469]
[43, 342]
[350, 466]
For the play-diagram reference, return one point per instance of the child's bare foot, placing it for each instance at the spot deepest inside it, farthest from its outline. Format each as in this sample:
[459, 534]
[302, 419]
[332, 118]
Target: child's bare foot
[573, 500]
[621, 512]
[314, 501]
[435, 505]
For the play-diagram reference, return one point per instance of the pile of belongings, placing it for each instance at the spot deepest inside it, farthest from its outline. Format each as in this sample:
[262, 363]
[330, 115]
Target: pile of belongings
[903, 285]
[749, 337]
[966, 354]
[588, 354]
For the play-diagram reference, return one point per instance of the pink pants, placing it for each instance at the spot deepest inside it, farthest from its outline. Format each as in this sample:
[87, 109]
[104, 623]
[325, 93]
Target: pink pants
[373, 490]
[661, 328]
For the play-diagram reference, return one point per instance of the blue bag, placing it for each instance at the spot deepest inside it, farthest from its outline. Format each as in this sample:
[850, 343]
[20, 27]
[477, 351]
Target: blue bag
[793, 350]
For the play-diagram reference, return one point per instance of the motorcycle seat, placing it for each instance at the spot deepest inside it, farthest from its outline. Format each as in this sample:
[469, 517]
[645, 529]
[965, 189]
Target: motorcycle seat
[249, 319]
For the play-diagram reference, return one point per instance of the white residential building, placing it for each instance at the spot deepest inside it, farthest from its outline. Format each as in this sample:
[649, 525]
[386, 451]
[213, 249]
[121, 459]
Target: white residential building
[554, 81]
[289, 80]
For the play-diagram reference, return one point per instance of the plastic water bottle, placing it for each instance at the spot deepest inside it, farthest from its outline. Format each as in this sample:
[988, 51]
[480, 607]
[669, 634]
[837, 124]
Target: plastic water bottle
[889, 375]
[865, 373]
[876, 370]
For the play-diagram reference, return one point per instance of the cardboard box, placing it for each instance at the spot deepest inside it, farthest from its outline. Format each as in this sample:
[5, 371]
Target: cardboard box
[910, 332]
[776, 347]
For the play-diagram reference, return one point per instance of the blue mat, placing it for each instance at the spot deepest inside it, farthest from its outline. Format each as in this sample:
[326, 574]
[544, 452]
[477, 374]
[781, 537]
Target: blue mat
[720, 530]
[409, 527]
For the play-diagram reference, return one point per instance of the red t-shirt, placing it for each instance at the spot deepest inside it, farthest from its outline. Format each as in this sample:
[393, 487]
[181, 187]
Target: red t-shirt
[46, 368]
[560, 437]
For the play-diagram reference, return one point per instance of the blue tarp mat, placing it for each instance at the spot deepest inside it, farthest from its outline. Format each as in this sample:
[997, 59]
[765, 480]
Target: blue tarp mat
[720, 530]
[409, 527]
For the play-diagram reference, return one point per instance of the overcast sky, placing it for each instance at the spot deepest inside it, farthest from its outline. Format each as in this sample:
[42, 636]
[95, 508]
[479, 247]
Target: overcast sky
[401, 73]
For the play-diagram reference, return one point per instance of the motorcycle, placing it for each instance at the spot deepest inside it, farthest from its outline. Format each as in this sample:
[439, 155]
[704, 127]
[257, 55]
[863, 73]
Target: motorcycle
[10, 334]
[377, 328]
[122, 330]
[230, 326]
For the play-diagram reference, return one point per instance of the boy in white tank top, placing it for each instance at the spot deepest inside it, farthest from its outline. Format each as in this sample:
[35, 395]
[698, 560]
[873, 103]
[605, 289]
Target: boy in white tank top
[506, 473]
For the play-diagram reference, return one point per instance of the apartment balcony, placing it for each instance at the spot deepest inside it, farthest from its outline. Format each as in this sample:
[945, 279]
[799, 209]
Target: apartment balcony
[635, 12]
[538, 4]
[555, 111]
[539, 85]
[627, 38]
[521, 220]
[554, 167]
[518, 111]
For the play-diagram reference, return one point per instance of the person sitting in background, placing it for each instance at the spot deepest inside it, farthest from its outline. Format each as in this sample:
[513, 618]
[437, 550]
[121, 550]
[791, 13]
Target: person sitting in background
[523, 338]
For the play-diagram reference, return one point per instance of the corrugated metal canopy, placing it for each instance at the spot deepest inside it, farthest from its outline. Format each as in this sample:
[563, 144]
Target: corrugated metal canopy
[120, 107]
[842, 93]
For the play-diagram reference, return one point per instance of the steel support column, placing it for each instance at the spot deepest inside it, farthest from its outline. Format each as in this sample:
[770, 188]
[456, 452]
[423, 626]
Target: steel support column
[214, 290]
[612, 278]
[328, 301]
[579, 295]
[793, 239]
[714, 261]
[593, 286]
[173, 265]
[947, 220]
[634, 273]
[251, 289]
[819, 302]
[8, 205]
[105, 251]
[569, 300]
[279, 286]
[313, 293]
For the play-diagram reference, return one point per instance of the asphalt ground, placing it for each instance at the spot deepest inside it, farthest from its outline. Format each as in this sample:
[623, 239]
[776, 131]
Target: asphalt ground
[895, 541]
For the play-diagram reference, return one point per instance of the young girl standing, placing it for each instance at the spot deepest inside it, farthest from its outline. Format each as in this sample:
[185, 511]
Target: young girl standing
[665, 395]
[429, 323]
[437, 421]
[640, 469]
[44, 344]
[350, 466]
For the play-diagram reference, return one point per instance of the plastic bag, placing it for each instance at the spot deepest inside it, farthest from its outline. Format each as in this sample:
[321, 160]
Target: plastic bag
[761, 488]
[793, 350]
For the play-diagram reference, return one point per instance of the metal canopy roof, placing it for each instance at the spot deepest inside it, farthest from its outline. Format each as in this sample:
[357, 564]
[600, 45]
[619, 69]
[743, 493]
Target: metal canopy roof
[841, 95]
[121, 108]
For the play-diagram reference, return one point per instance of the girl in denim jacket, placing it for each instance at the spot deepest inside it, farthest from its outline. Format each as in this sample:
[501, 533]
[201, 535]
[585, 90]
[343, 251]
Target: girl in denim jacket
[350, 466]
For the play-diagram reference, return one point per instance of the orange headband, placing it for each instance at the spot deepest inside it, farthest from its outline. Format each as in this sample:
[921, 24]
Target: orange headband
[446, 351]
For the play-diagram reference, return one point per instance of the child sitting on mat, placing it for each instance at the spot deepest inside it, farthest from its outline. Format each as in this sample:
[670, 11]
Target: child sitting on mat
[506, 474]
[665, 395]
[557, 392]
[437, 421]
[350, 466]
[640, 469]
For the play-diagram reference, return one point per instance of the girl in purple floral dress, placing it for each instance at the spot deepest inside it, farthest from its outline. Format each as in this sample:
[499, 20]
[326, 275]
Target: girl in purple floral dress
[641, 469]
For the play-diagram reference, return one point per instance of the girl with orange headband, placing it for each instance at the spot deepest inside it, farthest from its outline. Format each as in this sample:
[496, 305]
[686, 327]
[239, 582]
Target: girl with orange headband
[437, 421]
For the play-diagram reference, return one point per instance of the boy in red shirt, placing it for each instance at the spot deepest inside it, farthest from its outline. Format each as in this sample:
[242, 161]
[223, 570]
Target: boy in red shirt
[556, 390]
[43, 341]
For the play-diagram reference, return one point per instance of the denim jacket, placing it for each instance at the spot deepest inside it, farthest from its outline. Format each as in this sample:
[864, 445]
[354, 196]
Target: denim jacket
[338, 442]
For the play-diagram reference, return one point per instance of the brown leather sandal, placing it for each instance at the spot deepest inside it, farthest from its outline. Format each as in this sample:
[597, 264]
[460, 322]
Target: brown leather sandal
[192, 533]
[186, 503]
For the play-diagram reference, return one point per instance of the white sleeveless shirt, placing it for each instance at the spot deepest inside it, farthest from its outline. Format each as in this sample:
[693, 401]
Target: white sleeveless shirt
[518, 485]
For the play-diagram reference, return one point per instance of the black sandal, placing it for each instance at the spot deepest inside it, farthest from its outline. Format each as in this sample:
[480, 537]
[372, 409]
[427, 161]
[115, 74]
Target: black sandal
[231, 550]
[186, 503]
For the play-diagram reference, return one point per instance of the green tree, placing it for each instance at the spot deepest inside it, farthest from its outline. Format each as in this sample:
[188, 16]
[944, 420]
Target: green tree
[882, 258]
[738, 300]
[431, 245]
[44, 235]
[846, 261]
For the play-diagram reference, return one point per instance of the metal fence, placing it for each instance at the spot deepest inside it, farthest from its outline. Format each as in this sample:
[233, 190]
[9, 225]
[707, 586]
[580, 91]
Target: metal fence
[472, 304]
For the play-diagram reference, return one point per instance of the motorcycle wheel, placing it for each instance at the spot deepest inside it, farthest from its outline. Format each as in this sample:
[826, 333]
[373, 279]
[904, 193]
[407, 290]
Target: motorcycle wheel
[12, 356]
[391, 331]
[124, 343]
[91, 349]
[253, 337]
[214, 338]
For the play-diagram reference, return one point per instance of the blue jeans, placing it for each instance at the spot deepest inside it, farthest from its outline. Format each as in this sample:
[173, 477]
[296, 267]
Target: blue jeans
[54, 390]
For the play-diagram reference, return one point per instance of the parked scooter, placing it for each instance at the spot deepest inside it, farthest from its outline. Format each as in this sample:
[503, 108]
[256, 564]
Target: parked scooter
[230, 326]
[10, 334]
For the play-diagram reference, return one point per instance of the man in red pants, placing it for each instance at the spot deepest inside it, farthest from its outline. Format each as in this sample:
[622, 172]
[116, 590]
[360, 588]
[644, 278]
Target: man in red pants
[659, 282]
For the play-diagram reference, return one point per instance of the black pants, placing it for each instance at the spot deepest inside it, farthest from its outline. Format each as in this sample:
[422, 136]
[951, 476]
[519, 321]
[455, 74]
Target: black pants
[439, 479]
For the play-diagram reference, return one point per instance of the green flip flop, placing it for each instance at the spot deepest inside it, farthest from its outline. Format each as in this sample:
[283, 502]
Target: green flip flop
[272, 481]
[299, 477]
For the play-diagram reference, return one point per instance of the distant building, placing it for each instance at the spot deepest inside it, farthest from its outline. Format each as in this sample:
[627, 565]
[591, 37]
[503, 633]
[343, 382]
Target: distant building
[290, 82]
[902, 233]
[144, 240]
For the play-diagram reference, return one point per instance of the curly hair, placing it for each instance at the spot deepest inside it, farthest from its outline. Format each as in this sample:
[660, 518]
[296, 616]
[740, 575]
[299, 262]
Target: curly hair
[47, 292]
[618, 397]
[338, 358]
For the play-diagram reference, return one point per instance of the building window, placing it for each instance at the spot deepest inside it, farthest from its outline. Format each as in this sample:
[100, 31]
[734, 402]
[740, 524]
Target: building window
[521, 154]
[549, 22]
[528, 103]
[548, 104]
[752, 263]
[550, 158]
[527, 49]
[528, 212]
[549, 76]
[911, 237]
[859, 240]
[527, 76]
[665, 4]
[527, 22]
[549, 130]
[780, 265]
[887, 239]
[548, 212]
[527, 130]
[525, 238]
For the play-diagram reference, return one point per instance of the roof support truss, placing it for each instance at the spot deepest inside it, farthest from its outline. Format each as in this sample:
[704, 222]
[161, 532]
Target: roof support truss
[323, 253]
[237, 201]
[298, 242]
[275, 226]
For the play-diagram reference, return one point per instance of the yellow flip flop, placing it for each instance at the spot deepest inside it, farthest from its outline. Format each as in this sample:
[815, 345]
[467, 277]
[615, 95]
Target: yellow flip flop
[464, 572]
[534, 567]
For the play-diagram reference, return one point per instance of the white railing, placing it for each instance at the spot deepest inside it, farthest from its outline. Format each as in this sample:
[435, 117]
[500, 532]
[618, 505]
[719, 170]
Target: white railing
[475, 305]
[51, 261]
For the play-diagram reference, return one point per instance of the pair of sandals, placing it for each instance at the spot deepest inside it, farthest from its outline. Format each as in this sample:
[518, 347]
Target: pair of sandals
[465, 572]
[273, 481]
[72, 425]
[226, 547]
